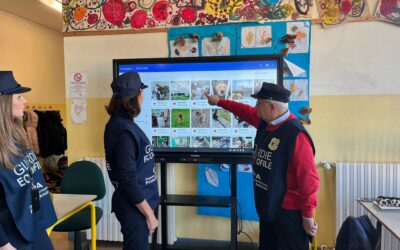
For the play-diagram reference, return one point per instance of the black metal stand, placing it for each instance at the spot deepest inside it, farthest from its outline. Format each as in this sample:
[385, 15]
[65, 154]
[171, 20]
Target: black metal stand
[200, 200]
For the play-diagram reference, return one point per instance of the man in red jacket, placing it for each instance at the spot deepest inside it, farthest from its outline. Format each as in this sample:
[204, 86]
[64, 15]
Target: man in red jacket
[284, 173]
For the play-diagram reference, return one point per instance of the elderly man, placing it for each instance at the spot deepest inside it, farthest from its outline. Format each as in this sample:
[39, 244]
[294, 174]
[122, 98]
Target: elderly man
[284, 173]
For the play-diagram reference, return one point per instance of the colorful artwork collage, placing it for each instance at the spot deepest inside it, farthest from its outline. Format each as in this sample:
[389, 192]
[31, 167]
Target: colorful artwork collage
[99, 15]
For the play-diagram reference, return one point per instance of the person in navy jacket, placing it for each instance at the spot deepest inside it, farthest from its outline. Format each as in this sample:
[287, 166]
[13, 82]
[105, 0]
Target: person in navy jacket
[285, 177]
[26, 210]
[130, 163]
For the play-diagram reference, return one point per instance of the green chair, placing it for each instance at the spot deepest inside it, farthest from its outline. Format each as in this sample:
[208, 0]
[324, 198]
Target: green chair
[81, 177]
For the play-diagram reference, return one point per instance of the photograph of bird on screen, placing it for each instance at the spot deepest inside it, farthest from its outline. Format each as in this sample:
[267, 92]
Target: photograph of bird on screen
[221, 118]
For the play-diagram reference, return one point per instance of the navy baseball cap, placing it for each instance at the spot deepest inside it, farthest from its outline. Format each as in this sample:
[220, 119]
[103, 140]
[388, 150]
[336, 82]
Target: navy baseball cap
[8, 84]
[127, 84]
[275, 92]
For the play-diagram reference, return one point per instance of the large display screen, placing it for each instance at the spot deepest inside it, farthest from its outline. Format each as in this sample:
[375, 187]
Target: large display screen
[175, 114]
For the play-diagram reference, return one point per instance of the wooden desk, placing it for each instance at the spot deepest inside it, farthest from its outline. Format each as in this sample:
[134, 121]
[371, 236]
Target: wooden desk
[390, 219]
[67, 205]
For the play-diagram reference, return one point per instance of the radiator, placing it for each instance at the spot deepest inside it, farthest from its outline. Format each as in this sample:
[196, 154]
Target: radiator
[365, 180]
[108, 228]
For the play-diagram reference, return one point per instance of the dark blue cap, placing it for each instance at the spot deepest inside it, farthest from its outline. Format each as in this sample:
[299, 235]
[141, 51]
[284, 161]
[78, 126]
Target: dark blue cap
[8, 84]
[275, 92]
[127, 84]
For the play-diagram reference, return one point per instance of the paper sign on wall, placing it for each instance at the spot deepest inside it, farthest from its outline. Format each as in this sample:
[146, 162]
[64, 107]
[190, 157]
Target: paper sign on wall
[78, 111]
[78, 82]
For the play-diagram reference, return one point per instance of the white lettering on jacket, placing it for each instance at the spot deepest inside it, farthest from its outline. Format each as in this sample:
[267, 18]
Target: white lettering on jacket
[22, 169]
[264, 158]
[149, 153]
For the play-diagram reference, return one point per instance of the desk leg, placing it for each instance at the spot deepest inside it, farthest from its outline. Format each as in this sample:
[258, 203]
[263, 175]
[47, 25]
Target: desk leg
[379, 229]
[93, 224]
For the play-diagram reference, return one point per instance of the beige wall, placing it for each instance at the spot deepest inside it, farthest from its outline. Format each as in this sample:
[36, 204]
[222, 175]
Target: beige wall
[346, 126]
[35, 54]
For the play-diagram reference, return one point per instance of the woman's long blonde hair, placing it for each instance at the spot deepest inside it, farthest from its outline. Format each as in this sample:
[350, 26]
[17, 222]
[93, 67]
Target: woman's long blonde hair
[12, 134]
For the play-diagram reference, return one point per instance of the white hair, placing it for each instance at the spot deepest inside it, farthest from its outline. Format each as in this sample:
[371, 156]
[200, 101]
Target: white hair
[281, 106]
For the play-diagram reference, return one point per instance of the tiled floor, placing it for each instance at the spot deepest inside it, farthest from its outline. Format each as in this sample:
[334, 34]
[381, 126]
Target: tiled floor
[61, 242]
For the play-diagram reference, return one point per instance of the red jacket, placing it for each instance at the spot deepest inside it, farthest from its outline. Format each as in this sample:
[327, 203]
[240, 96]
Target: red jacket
[302, 176]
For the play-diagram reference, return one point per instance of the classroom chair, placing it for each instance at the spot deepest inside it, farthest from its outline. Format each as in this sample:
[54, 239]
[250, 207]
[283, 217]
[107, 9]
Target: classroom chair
[81, 177]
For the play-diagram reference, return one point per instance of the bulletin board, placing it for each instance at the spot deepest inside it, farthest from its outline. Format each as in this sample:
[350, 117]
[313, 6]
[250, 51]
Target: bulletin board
[290, 38]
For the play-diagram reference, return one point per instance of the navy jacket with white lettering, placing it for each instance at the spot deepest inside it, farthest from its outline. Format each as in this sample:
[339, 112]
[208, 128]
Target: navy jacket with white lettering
[130, 162]
[16, 214]
[272, 152]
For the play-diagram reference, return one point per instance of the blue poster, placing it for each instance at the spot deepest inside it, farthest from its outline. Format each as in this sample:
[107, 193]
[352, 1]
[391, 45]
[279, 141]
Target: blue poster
[214, 179]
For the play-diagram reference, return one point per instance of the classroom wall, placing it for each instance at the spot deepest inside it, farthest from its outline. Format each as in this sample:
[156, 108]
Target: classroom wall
[348, 123]
[36, 56]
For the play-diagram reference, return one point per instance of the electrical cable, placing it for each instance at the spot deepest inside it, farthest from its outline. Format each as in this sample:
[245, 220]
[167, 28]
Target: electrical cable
[239, 214]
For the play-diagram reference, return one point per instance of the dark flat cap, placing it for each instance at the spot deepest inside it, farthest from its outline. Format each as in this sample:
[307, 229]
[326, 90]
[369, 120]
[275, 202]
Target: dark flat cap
[271, 91]
[8, 84]
[127, 84]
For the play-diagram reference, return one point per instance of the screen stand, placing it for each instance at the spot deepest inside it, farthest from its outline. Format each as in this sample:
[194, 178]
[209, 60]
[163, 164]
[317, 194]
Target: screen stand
[199, 200]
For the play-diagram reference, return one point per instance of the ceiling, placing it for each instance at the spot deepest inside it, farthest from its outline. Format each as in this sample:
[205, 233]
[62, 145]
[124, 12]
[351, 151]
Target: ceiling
[34, 11]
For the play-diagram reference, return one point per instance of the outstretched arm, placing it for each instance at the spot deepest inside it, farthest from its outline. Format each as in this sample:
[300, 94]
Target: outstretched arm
[243, 111]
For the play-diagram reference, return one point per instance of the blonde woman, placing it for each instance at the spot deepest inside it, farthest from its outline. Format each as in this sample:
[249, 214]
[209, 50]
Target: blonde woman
[25, 206]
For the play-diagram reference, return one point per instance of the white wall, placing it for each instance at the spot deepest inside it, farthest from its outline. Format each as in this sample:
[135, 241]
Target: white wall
[360, 58]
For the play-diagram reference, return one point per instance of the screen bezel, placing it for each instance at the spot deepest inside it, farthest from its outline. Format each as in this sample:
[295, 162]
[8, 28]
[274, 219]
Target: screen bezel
[197, 154]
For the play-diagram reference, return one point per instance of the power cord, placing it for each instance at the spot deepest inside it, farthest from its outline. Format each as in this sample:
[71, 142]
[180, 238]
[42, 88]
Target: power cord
[239, 215]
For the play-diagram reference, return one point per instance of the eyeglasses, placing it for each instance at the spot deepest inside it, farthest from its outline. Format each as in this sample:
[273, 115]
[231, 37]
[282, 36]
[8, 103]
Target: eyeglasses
[262, 101]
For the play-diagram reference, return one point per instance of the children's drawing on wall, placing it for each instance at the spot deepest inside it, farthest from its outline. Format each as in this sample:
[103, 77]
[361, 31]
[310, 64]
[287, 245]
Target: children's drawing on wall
[388, 11]
[184, 47]
[300, 31]
[96, 15]
[298, 89]
[334, 12]
[216, 48]
[292, 70]
[256, 37]
[78, 111]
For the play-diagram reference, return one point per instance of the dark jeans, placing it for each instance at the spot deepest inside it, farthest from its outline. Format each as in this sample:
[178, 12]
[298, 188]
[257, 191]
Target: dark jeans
[285, 233]
[133, 228]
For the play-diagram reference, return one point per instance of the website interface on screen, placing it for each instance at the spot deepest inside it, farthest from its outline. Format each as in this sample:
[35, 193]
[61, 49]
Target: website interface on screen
[176, 114]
